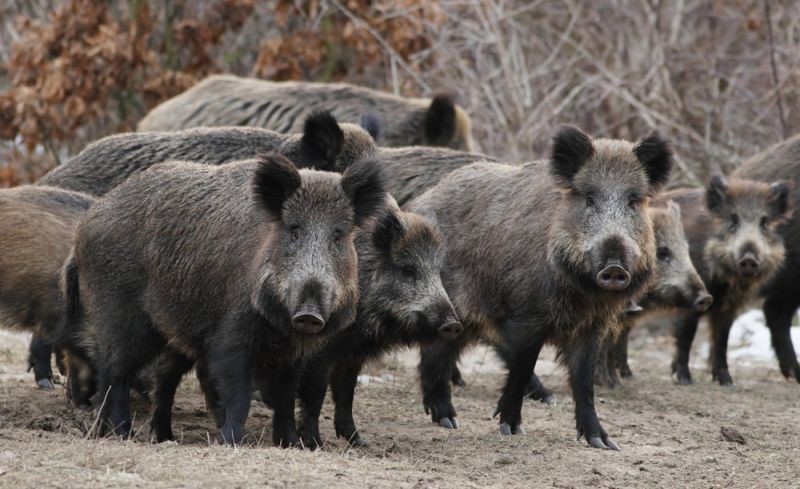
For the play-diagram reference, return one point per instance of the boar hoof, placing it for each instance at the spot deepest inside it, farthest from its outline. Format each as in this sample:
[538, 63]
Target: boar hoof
[507, 430]
[597, 442]
[724, 378]
[625, 372]
[46, 384]
[449, 423]
[357, 442]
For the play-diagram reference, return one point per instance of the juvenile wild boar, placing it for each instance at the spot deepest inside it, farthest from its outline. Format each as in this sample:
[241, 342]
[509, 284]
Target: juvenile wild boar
[246, 268]
[676, 284]
[403, 302]
[733, 241]
[226, 100]
[782, 293]
[549, 252]
[104, 164]
[36, 228]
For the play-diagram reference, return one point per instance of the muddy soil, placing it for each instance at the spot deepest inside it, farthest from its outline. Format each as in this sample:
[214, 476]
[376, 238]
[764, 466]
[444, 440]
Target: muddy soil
[671, 436]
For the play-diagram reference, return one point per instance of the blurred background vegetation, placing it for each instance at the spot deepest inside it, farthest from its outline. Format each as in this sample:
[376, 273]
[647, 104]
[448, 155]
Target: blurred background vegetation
[719, 77]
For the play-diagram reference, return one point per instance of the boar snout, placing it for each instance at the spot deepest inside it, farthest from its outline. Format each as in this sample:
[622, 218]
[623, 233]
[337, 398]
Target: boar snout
[613, 277]
[308, 322]
[703, 302]
[450, 330]
[748, 264]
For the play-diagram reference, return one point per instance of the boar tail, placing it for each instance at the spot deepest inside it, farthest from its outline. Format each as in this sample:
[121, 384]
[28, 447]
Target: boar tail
[71, 292]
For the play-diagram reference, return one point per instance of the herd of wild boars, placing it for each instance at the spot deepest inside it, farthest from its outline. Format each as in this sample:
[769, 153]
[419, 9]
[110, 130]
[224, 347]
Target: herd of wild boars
[349, 222]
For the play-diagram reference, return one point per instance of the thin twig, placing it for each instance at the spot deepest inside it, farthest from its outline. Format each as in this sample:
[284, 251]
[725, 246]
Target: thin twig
[779, 97]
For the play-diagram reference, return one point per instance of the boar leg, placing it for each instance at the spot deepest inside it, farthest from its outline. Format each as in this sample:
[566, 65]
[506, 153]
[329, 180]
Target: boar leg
[39, 360]
[171, 368]
[603, 375]
[115, 412]
[230, 373]
[619, 352]
[581, 355]
[779, 316]
[721, 322]
[436, 369]
[457, 379]
[311, 393]
[343, 385]
[520, 363]
[281, 384]
[209, 393]
[538, 392]
[684, 336]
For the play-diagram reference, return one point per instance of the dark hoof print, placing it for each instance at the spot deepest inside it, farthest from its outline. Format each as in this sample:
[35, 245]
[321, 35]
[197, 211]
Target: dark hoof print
[46, 384]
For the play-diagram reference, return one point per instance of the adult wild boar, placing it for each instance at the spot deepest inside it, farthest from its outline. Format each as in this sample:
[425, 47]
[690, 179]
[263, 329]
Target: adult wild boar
[324, 144]
[247, 268]
[226, 100]
[676, 284]
[403, 303]
[782, 295]
[734, 244]
[549, 252]
[36, 228]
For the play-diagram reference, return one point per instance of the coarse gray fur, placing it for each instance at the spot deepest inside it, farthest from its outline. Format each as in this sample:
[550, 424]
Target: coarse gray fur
[106, 163]
[226, 100]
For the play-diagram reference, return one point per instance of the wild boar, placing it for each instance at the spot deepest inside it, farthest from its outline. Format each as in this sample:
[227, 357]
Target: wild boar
[246, 268]
[104, 164]
[226, 100]
[734, 244]
[548, 252]
[36, 229]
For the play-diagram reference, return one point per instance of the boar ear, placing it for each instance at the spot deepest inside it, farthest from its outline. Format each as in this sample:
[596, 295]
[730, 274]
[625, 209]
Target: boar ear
[440, 120]
[322, 140]
[371, 123]
[674, 209]
[655, 154]
[571, 149]
[275, 180]
[779, 197]
[363, 183]
[389, 229]
[716, 194]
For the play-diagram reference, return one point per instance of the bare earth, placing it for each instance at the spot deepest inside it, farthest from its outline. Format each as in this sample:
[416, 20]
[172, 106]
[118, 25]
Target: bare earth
[670, 436]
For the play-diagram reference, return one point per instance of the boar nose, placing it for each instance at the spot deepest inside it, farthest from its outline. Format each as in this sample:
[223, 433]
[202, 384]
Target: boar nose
[450, 330]
[613, 277]
[748, 264]
[308, 322]
[703, 302]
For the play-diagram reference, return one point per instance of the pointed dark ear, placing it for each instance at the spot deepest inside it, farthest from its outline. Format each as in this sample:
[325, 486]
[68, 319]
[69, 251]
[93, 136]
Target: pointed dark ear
[363, 183]
[389, 229]
[322, 140]
[655, 154]
[716, 194]
[440, 120]
[571, 149]
[275, 180]
[371, 123]
[779, 197]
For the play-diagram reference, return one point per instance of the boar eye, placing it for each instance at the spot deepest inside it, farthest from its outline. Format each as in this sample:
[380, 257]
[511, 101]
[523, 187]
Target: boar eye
[764, 222]
[409, 271]
[294, 232]
[734, 222]
[663, 254]
[589, 201]
[337, 236]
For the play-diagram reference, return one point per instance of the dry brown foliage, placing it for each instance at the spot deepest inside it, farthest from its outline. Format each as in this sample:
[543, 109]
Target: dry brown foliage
[699, 71]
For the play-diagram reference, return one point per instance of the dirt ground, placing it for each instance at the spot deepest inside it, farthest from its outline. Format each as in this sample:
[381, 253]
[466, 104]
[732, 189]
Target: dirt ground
[670, 436]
